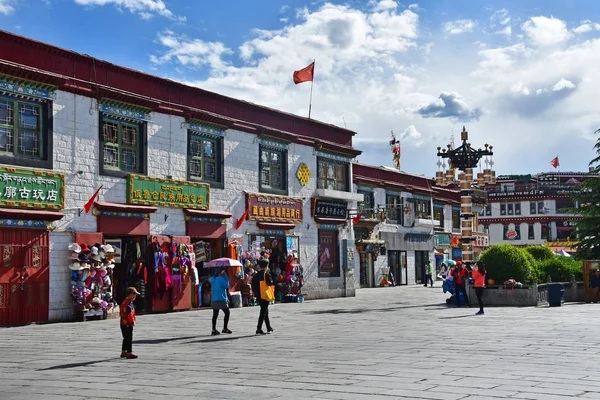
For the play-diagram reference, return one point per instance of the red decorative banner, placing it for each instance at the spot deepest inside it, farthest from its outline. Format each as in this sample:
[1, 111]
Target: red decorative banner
[267, 208]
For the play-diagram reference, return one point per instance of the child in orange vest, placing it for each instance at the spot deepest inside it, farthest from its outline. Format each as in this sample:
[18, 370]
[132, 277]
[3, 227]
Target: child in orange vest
[127, 313]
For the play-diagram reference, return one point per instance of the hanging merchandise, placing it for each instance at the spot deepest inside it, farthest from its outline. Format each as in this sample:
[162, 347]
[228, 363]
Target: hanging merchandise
[162, 280]
[91, 279]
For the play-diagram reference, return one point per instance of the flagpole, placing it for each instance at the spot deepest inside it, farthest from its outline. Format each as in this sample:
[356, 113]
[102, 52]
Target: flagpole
[312, 82]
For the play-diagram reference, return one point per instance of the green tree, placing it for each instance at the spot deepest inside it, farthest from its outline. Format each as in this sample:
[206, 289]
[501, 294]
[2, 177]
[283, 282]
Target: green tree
[560, 269]
[588, 197]
[505, 261]
[540, 253]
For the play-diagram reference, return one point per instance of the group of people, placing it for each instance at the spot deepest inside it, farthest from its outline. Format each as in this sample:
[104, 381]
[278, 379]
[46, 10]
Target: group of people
[220, 302]
[460, 274]
[219, 298]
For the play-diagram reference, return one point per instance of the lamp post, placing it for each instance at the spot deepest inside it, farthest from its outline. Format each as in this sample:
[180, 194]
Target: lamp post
[465, 158]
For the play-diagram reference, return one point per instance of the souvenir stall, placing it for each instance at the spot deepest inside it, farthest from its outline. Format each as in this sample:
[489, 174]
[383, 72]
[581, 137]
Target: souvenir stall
[173, 259]
[276, 217]
[92, 280]
[284, 262]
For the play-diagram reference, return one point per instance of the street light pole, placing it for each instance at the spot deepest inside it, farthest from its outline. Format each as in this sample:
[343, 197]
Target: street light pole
[465, 158]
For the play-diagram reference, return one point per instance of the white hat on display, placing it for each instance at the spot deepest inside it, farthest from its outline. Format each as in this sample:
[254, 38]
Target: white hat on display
[108, 248]
[76, 266]
[75, 248]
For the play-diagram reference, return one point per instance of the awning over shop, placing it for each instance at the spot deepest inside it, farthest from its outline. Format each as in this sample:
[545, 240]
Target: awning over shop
[123, 219]
[207, 214]
[35, 215]
[275, 226]
[331, 220]
[206, 224]
[125, 208]
[408, 241]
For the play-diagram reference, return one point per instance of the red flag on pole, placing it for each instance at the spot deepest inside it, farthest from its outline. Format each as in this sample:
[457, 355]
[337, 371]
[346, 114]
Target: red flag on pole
[555, 162]
[305, 74]
[356, 219]
[241, 220]
[88, 206]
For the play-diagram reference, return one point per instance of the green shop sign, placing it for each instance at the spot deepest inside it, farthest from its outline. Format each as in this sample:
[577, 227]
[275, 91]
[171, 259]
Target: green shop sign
[26, 188]
[163, 192]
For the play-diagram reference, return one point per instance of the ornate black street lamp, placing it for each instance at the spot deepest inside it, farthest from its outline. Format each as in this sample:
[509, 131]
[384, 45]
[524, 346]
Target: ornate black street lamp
[465, 158]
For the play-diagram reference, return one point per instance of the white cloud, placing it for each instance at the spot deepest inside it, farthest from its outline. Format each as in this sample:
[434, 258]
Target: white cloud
[544, 31]
[412, 137]
[191, 52]
[520, 88]
[563, 84]
[450, 105]
[507, 31]
[583, 28]
[414, 7]
[144, 8]
[501, 17]
[373, 73]
[383, 5]
[7, 7]
[459, 26]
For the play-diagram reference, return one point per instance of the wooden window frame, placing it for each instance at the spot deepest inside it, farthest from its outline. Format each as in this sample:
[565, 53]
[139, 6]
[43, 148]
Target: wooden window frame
[142, 148]
[219, 182]
[283, 154]
[335, 163]
[45, 131]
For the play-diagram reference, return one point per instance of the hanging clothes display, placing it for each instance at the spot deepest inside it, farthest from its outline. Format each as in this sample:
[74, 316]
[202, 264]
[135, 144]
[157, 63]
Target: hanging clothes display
[163, 280]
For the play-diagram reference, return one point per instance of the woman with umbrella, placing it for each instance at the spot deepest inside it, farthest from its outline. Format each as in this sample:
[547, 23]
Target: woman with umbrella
[219, 284]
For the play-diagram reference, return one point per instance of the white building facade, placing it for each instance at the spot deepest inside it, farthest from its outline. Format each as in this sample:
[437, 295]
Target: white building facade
[166, 173]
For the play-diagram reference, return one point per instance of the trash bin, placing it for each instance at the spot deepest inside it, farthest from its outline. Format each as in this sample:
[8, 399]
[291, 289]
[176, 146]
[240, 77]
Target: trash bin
[556, 293]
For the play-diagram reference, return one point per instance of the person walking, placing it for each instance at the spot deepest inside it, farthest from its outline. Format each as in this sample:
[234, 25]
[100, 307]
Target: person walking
[444, 271]
[479, 278]
[262, 274]
[219, 283]
[428, 273]
[460, 275]
[127, 314]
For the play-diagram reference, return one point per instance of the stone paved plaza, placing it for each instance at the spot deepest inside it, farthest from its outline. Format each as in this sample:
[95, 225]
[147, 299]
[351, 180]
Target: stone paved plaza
[387, 343]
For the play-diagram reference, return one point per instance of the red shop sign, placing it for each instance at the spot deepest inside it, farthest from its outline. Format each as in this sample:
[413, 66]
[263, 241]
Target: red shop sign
[267, 208]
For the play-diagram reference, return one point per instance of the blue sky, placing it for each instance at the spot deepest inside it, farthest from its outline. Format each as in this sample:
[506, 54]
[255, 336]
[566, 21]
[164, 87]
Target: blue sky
[519, 74]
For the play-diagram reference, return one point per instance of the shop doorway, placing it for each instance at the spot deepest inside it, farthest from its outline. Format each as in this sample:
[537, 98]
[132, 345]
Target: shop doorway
[367, 272]
[397, 265]
[421, 258]
[24, 275]
[131, 269]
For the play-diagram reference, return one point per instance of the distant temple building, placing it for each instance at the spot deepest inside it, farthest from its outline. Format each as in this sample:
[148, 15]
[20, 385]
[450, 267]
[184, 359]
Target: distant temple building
[531, 209]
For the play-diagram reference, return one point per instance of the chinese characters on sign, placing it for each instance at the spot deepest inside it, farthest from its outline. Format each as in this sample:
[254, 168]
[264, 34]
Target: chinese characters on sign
[329, 209]
[31, 189]
[167, 192]
[273, 208]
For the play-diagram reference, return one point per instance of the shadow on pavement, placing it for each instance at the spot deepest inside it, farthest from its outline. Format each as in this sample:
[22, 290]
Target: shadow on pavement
[220, 338]
[459, 316]
[159, 341]
[367, 310]
[79, 364]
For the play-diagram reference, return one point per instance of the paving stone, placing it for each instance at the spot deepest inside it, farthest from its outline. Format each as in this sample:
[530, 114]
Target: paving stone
[393, 343]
